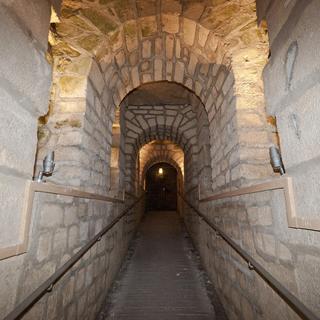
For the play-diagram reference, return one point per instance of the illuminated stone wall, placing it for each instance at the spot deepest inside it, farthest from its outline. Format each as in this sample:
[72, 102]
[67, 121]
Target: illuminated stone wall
[292, 97]
[101, 52]
[25, 77]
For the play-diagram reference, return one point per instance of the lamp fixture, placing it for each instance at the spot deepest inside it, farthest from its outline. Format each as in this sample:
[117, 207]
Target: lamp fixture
[48, 166]
[276, 160]
[160, 172]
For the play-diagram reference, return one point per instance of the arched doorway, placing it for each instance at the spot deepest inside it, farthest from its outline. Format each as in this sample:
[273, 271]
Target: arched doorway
[161, 187]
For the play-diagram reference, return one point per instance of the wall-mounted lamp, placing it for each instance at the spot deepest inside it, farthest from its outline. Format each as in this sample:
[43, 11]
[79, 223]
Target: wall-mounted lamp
[160, 172]
[48, 166]
[276, 160]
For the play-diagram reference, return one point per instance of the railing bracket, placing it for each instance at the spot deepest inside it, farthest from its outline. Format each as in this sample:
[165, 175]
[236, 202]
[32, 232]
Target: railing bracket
[50, 288]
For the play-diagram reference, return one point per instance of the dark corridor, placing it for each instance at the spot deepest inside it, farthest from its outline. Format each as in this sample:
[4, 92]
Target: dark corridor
[161, 187]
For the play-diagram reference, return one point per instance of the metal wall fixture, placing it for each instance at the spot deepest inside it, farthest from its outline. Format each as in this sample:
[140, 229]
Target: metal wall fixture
[48, 166]
[276, 160]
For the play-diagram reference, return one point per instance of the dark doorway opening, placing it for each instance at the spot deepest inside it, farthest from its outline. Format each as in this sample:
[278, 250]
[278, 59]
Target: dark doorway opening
[161, 187]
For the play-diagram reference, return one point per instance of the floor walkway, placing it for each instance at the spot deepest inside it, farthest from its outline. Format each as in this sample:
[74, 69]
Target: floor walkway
[161, 280]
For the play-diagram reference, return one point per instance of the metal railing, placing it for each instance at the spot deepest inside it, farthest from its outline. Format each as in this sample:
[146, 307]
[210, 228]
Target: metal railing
[287, 296]
[47, 285]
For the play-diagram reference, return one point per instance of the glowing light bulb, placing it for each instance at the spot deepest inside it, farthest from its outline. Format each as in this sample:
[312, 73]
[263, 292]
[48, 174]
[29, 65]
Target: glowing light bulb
[160, 171]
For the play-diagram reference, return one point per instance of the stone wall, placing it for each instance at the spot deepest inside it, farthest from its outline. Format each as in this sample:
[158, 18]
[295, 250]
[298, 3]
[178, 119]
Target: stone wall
[101, 53]
[25, 77]
[78, 126]
[61, 226]
[258, 222]
[292, 96]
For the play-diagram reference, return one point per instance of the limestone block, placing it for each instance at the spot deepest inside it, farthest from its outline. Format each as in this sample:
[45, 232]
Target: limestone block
[44, 246]
[192, 64]
[169, 46]
[146, 78]
[146, 49]
[96, 77]
[135, 77]
[148, 26]
[51, 215]
[179, 72]
[12, 192]
[10, 270]
[32, 74]
[259, 138]
[189, 31]
[159, 47]
[203, 34]
[52, 306]
[79, 282]
[158, 69]
[84, 230]
[60, 241]
[306, 188]
[68, 292]
[248, 119]
[73, 237]
[169, 69]
[131, 35]
[78, 106]
[260, 216]
[170, 23]
[307, 271]
[72, 138]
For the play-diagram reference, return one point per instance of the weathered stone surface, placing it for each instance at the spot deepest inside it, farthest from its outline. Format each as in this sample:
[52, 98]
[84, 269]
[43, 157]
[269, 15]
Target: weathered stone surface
[51, 216]
[70, 87]
[189, 31]
[28, 62]
[18, 129]
[170, 23]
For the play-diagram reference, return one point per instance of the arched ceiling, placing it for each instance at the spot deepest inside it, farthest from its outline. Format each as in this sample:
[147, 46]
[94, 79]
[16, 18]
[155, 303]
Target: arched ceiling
[98, 25]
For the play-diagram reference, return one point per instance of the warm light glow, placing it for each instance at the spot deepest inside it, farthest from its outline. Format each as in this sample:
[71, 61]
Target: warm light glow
[160, 171]
[54, 16]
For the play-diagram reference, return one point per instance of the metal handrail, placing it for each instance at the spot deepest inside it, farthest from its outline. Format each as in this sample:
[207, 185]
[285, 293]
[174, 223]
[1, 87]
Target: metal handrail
[47, 285]
[287, 296]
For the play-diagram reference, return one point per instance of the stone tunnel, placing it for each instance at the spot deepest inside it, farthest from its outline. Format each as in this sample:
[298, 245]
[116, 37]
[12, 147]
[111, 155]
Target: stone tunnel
[165, 200]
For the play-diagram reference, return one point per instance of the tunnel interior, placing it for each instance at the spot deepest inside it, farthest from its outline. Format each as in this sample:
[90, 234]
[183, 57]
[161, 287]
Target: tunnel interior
[117, 90]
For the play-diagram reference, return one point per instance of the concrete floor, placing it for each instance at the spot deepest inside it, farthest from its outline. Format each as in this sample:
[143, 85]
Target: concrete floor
[161, 279]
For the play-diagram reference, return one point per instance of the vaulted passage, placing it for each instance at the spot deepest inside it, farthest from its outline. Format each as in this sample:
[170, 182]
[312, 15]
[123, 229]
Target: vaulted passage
[175, 140]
